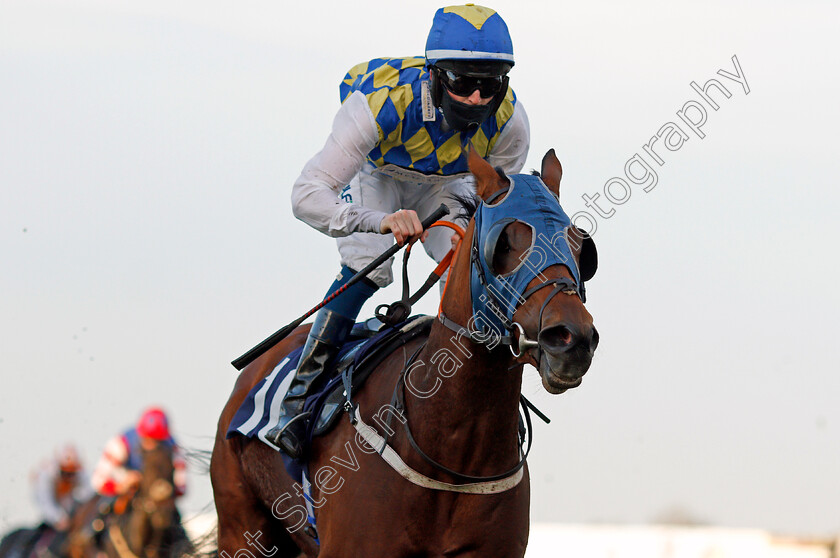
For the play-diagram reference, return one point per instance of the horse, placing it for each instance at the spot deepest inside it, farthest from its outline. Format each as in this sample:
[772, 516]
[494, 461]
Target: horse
[21, 543]
[44, 541]
[143, 523]
[462, 489]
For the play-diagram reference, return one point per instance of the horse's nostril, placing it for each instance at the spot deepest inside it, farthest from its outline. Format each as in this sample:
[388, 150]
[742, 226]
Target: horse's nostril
[565, 337]
[557, 337]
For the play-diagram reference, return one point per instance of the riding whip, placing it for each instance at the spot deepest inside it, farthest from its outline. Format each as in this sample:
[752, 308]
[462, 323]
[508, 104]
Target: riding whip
[281, 334]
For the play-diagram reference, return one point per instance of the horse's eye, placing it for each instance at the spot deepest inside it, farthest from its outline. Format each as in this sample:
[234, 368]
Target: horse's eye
[503, 248]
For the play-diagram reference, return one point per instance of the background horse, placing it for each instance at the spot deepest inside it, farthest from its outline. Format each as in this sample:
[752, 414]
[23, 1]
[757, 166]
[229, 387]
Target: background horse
[142, 524]
[462, 411]
[20, 543]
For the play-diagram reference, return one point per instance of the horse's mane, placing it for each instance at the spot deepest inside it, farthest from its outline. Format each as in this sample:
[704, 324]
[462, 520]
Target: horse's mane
[197, 459]
[467, 205]
[157, 463]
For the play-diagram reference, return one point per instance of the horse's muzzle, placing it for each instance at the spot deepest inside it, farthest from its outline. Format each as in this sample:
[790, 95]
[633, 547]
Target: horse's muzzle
[566, 352]
[562, 338]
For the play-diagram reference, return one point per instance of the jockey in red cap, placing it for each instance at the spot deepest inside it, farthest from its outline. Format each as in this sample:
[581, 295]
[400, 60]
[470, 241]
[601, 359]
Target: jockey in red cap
[119, 468]
[153, 424]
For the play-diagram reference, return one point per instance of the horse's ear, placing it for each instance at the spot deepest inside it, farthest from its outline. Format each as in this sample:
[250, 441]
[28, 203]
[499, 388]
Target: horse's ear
[551, 172]
[487, 180]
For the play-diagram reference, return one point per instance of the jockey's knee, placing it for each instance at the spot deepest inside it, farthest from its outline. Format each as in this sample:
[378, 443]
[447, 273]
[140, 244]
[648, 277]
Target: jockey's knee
[359, 249]
[382, 277]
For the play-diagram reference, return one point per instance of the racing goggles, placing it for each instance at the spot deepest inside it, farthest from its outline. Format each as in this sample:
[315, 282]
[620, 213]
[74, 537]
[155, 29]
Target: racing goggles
[463, 86]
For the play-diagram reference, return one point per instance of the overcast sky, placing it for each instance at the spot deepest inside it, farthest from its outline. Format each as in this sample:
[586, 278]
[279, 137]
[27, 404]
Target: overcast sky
[147, 152]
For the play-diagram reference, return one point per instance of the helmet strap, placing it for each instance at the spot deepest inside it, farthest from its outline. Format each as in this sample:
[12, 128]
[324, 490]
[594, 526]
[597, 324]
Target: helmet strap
[436, 86]
[500, 96]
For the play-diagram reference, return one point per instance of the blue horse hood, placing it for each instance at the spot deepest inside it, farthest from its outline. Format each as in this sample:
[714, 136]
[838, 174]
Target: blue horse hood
[528, 200]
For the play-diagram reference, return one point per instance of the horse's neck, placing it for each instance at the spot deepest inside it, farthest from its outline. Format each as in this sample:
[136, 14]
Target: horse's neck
[482, 382]
[122, 534]
[467, 404]
[464, 390]
[469, 375]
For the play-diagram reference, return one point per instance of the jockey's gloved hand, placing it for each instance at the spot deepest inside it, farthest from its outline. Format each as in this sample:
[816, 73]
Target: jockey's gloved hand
[130, 482]
[404, 224]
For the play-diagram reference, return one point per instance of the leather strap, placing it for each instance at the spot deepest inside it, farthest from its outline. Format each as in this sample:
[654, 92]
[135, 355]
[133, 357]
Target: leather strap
[391, 457]
[119, 542]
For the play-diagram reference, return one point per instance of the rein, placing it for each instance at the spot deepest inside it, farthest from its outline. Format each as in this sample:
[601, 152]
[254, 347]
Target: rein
[119, 541]
[492, 484]
[398, 402]
[114, 531]
[398, 312]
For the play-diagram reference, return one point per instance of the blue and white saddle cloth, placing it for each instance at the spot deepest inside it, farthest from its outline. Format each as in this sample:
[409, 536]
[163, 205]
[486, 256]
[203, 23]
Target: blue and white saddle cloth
[260, 411]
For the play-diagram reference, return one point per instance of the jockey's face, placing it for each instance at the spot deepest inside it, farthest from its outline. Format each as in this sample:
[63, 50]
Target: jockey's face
[67, 478]
[148, 443]
[65, 483]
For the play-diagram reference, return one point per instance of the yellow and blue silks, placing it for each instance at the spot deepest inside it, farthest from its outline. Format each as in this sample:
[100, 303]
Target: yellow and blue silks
[394, 92]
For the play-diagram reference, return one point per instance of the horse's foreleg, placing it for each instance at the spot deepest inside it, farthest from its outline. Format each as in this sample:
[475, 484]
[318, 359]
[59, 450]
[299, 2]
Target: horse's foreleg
[244, 532]
[246, 529]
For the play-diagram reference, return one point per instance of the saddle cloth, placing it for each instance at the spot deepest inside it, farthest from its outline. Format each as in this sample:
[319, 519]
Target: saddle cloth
[260, 411]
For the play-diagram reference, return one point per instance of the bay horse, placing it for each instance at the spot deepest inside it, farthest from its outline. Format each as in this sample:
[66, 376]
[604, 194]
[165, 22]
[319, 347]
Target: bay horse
[462, 489]
[21, 543]
[144, 523]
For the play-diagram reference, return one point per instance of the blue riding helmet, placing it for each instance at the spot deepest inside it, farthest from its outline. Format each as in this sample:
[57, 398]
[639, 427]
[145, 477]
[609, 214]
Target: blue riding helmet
[473, 41]
[495, 298]
[468, 32]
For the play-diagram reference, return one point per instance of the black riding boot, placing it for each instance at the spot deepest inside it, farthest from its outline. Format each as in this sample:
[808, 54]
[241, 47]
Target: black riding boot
[325, 338]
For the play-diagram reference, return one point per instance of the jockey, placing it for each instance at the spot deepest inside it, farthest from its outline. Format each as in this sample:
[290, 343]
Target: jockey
[119, 469]
[397, 148]
[60, 486]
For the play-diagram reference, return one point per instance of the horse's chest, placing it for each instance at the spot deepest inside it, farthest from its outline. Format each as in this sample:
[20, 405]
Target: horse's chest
[433, 524]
